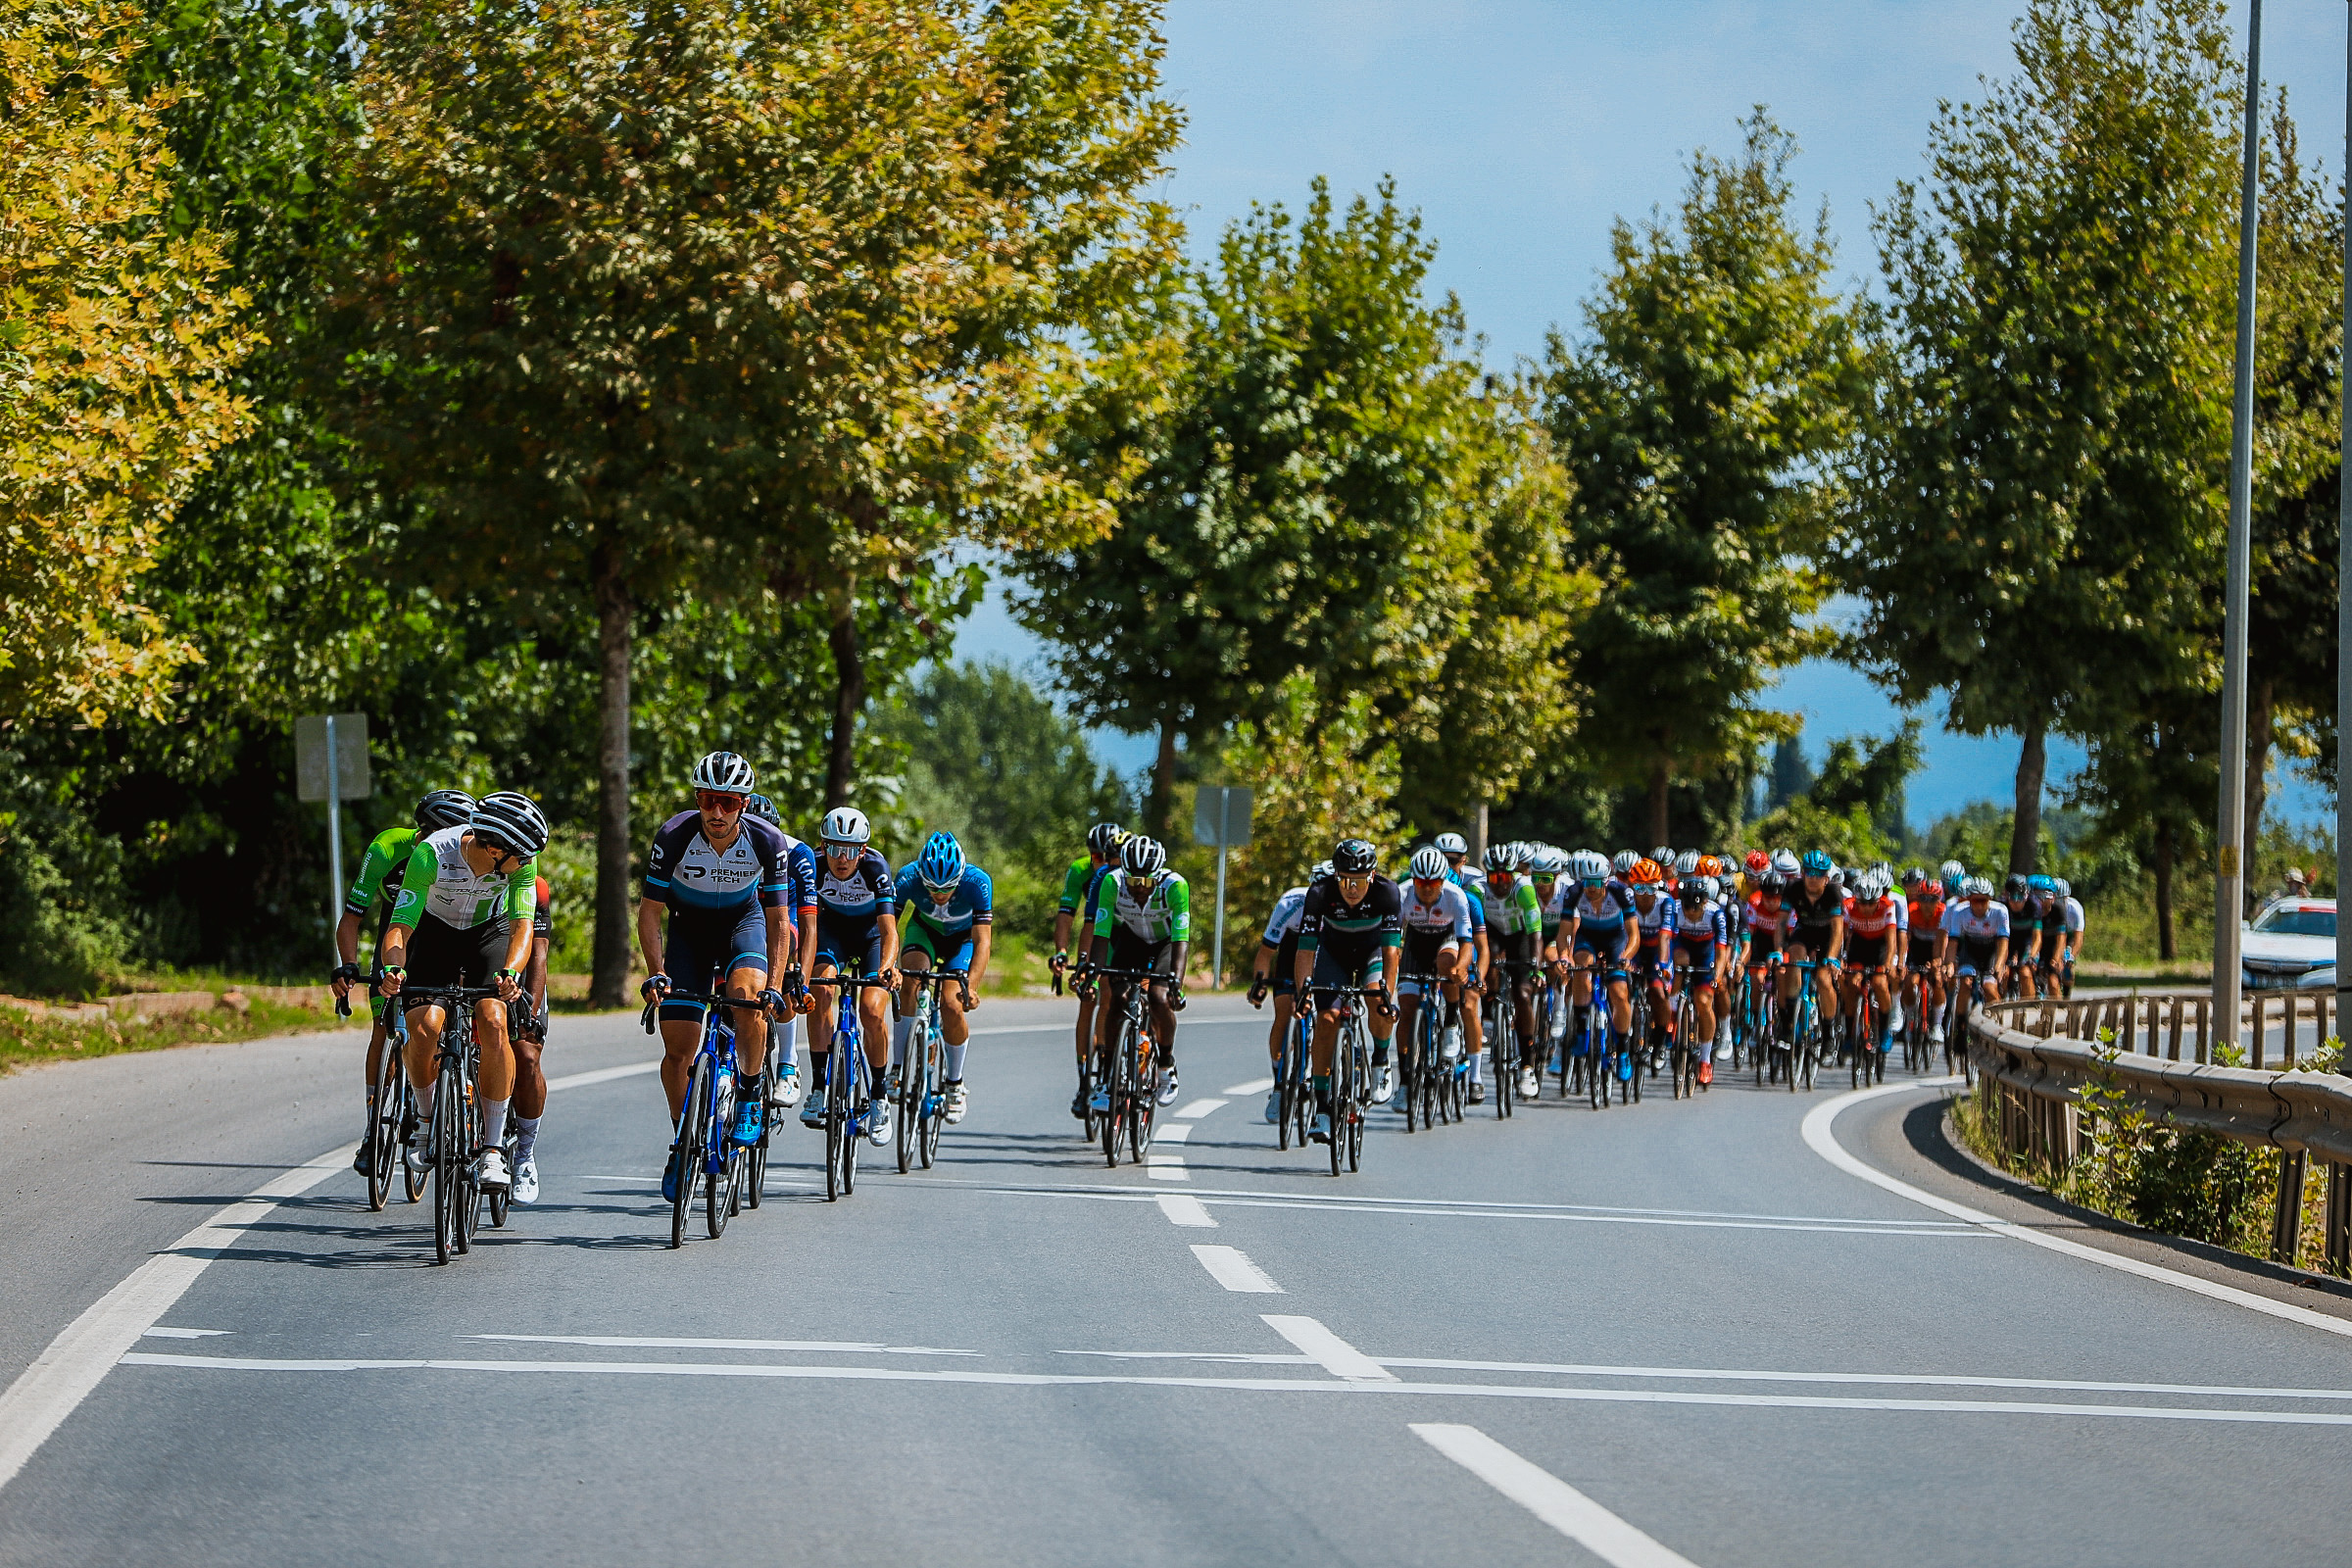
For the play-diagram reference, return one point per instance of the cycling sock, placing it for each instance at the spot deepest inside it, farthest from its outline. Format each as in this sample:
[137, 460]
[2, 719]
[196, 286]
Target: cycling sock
[494, 1122]
[526, 1137]
[1478, 1067]
[901, 1031]
[955, 1054]
[819, 1062]
[1380, 1053]
[785, 1041]
[751, 1088]
[1321, 1083]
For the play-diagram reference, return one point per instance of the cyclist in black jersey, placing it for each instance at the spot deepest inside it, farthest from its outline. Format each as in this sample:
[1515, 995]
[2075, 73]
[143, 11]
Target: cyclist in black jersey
[1817, 935]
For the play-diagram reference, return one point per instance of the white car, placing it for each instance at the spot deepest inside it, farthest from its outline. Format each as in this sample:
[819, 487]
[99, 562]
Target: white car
[2287, 940]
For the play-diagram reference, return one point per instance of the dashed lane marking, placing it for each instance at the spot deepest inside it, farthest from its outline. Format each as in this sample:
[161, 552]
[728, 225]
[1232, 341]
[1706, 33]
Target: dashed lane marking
[656, 1342]
[1327, 1349]
[1231, 1267]
[1182, 1208]
[1201, 1107]
[1550, 1498]
[1255, 1086]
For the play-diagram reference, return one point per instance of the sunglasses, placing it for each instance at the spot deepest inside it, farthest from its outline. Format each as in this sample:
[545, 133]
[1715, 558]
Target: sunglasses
[723, 805]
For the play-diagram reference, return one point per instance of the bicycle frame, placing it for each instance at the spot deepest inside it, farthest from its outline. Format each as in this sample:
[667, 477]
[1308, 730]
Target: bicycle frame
[919, 1092]
[454, 1127]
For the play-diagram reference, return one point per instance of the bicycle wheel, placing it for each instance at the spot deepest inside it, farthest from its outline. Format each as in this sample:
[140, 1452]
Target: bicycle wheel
[935, 1119]
[1114, 1090]
[720, 1162]
[690, 1148]
[442, 1138]
[836, 1121]
[1143, 1108]
[383, 1130]
[911, 1095]
[853, 1131]
[1343, 1096]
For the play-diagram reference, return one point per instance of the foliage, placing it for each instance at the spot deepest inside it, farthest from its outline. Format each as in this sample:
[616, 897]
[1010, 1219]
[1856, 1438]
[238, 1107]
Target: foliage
[1320, 775]
[1718, 372]
[116, 350]
[1853, 808]
[62, 883]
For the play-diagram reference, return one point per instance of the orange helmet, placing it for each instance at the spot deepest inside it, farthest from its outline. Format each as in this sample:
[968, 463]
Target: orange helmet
[1711, 865]
[1646, 873]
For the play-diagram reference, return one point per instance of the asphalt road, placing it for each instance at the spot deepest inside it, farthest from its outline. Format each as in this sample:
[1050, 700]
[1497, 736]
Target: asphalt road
[1672, 1333]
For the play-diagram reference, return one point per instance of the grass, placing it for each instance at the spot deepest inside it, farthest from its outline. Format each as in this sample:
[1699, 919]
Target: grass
[26, 1041]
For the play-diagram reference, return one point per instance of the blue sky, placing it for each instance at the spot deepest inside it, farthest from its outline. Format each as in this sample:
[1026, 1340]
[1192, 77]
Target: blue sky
[1522, 128]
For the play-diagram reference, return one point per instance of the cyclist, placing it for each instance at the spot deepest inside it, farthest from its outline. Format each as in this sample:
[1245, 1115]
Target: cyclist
[463, 918]
[946, 905]
[2067, 910]
[2025, 936]
[1476, 966]
[526, 1037]
[1080, 887]
[1143, 921]
[1922, 952]
[1348, 930]
[1875, 924]
[856, 929]
[1274, 971]
[783, 1036]
[1700, 943]
[1553, 893]
[1816, 935]
[1598, 937]
[723, 876]
[1975, 929]
[1761, 934]
[381, 870]
[1436, 915]
[1514, 913]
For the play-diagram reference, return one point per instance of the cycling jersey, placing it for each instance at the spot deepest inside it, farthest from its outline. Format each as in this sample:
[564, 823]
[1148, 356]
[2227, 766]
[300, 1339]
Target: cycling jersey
[1468, 882]
[1162, 914]
[1765, 929]
[1556, 906]
[1817, 911]
[1448, 917]
[1873, 920]
[1962, 920]
[866, 891]
[1512, 912]
[1078, 882]
[685, 872]
[2023, 920]
[380, 868]
[1925, 915]
[1283, 924]
[437, 880]
[1652, 923]
[970, 903]
[1364, 929]
[1697, 932]
[543, 911]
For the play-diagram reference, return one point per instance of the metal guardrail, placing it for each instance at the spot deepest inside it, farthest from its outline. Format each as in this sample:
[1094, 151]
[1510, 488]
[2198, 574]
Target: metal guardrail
[2034, 1060]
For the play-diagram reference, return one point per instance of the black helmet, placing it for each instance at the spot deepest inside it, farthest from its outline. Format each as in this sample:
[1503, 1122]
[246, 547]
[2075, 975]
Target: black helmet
[1141, 856]
[761, 807]
[440, 808]
[2013, 886]
[1354, 858]
[512, 821]
[1105, 839]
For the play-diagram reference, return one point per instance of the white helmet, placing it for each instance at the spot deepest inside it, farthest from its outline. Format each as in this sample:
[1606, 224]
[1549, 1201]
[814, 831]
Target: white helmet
[1590, 866]
[1871, 886]
[1452, 844]
[1687, 863]
[1429, 862]
[845, 825]
[1626, 860]
[723, 770]
[1783, 865]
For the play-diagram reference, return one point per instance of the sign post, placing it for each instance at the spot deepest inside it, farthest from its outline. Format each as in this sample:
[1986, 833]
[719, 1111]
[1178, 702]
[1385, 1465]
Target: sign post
[1221, 817]
[330, 765]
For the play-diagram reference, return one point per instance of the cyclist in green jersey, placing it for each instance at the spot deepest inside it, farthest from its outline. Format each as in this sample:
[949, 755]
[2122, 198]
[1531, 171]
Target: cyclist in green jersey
[1143, 921]
[380, 871]
[1514, 929]
[1081, 887]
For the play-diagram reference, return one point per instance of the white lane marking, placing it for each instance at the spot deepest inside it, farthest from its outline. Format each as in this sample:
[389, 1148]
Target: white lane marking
[1201, 1107]
[1255, 1086]
[45, 1393]
[185, 1333]
[1231, 1267]
[1163, 1163]
[1183, 1209]
[1327, 1349]
[1822, 1141]
[1550, 1498]
[655, 1342]
[1170, 1133]
[1490, 1391]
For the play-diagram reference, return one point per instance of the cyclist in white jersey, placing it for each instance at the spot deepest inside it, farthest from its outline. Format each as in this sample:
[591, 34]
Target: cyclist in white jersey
[1435, 912]
[1273, 972]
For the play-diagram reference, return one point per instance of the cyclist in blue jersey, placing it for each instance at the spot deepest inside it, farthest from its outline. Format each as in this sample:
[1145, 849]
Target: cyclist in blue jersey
[857, 929]
[1435, 912]
[722, 877]
[1700, 940]
[1598, 936]
[947, 910]
[800, 860]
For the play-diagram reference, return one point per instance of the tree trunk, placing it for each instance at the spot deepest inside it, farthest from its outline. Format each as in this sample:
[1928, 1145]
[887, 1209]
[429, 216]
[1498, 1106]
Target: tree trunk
[849, 695]
[1163, 783]
[2261, 705]
[1657, 805]
[2167, 948]
[2025, 833]
[615, 616]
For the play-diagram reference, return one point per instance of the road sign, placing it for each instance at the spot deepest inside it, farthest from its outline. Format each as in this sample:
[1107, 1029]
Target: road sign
[350, 741]
[1221, 816]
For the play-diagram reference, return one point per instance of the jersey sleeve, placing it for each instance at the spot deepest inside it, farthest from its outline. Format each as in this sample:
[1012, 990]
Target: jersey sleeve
[1106, 912]
[383, 854]
[803, 880]
[661, 856]
[1074, 885]
[776, 869]
[906, 892]
[543, 909]
[1461, 917]
[1180, 910]
[1310, 919]
[983, 894]
[522, 893]
[417, 879]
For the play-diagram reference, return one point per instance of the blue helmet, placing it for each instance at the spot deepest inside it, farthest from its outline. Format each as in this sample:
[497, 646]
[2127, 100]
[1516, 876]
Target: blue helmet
[941, 864]
[1817, 863]
[2042, 884]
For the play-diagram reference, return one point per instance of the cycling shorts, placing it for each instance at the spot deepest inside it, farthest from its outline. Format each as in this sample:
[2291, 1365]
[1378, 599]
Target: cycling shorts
[2053, 943]
[1976, 954]
[1420, 954]
[1131, 951]
[949, 949]
[846, 940]
[1920, 954]
[1868, 953]
[1699, 955]
[1348, 964]
[1814, 938]
[1520, 947]
[1762, 944]
[441, 954]
[1284, 977]
[701, 950]
[1602, 945]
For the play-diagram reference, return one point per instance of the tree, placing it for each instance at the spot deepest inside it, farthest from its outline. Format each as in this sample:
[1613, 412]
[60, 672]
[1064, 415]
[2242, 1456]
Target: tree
[1854, 806]
[1718, 375]
[117, 352]
[1309, 494]
[721, 297]
[2044, 462]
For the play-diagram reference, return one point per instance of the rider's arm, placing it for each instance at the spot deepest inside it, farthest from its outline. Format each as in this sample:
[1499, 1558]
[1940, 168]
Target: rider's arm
[649, 931]
[1836, 936]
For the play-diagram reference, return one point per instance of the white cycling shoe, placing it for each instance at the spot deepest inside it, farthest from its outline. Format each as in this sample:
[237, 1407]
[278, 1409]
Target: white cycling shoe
[877, 1120]
[490, 1169]
[788, 1088]
[1274, 1104]
[526, 1180]
[956, 1102]
[1527, 1086]
[1167, 1085]
[1383, 1084]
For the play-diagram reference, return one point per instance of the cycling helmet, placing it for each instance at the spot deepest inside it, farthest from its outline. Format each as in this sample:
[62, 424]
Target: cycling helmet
[1817, 863]
[941, 864]
[1645, 874]
[1663, 854]
[2040, 883]
[1785, 865]
[1105, 839]
[1774, 885]
[508, 820]
[723, 770]
[1451, 843]
[1586, 866]
[1429, 863]
[1977, 886]
[1951, 872]
[1549, 863]
[1625, 863]
[2058, 886]
[1714, 887]
[1871, 886]
[1357, 857]
[1915, 876]
[1323, 870]
[1693, 889]
[845, 825]
[1141, 856]
[1686, 863]
[1503, 858]
[440, 808]
[1714, 865]
[761, 807]
[2013, 886]
[1757, 862]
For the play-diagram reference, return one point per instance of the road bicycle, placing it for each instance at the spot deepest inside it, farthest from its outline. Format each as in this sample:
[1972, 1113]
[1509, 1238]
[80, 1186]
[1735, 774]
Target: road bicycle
[848, 1109]
[1123, 1077]
[1425, 1066]
[454, 1131]
[1499, 1011]
[1808, 1044]
[1683, 1044]
[1607, 1063]
[1919, 1046]
[1870, 1062]
[391, 1123]
[703, 1149]
[1755, 1026]
[1350, 1070]
[771, 1106]
[1552, 1017]
[1295, 1103]
[921, 1099]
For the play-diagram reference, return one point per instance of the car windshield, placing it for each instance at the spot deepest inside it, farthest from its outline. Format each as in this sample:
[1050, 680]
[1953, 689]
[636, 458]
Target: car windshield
[2297, 922]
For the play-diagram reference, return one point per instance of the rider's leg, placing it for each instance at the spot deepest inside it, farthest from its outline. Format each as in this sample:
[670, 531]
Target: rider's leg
[494, 1082]
[745, 983]
[873, 1025]
[424, 1045]
[913, 962]
[1621, 1007]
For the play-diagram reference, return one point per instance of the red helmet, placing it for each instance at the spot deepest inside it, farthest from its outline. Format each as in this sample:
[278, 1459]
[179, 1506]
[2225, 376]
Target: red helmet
[1757, 862]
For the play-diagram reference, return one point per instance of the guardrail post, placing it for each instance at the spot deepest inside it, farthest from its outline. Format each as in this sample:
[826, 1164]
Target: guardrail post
[2286, 1050]
[2204, 1029]
[2286, 1214]
[2339, 1219]
[2174, 1049]
[2262, 1008]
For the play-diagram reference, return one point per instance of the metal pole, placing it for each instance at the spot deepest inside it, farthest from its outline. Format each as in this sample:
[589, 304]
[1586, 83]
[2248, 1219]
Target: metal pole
[2343, 608]
[334, 838]
[2228, 910]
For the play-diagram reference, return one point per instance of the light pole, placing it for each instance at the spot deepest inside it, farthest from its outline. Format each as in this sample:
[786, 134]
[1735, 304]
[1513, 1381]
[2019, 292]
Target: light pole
[2343, 606]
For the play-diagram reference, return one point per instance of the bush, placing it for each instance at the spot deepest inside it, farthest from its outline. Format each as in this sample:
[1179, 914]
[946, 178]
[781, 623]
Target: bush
[62, 883]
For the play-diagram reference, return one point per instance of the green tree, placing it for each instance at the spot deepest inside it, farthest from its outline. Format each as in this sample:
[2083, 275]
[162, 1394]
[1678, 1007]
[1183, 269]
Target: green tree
[1718, 373]
[2048, 446]
[1853, 808]
[117, 347]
